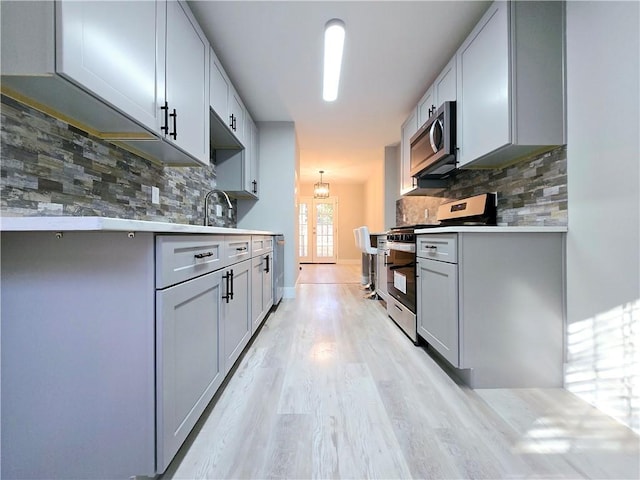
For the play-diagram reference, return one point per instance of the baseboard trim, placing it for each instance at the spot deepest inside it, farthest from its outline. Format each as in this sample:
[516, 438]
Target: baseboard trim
[349, 261]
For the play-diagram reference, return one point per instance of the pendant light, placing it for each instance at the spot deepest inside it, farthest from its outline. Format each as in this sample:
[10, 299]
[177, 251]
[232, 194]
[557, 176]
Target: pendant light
[320, 189]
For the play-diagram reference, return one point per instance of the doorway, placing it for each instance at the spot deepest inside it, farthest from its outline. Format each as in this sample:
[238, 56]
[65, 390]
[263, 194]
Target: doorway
[317, 224]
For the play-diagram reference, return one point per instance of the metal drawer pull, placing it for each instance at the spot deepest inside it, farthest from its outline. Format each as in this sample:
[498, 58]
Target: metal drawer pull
[203, 255]
[241, 249]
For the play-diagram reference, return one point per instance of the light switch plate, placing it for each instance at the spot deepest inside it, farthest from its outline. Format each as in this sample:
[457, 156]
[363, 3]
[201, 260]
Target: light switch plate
[155, 195]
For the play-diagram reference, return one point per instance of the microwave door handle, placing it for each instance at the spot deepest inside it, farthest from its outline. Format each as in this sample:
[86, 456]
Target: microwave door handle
[431, 133]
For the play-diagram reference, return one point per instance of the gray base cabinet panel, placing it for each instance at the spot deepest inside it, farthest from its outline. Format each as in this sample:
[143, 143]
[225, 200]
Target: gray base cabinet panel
[78, 365]
[189, 367]
[511, 309]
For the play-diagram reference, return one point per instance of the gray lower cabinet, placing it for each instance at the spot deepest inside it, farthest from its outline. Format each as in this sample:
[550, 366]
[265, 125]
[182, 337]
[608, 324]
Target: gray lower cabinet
[92, 357]
[188, 361]
[437, 302]
[235, 322]
[262, 288]
[491, 304]
[78, 355]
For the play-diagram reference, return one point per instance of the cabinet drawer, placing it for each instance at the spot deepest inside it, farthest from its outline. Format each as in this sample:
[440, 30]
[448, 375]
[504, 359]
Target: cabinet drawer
[261, 244]
[180, 258]
[442, 246]
[238, 248]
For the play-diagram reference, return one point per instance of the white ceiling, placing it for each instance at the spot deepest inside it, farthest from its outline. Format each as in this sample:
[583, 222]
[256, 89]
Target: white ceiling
[272, 52]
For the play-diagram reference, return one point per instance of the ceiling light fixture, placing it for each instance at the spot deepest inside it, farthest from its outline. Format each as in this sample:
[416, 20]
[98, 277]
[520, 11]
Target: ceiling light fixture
[321, 190]
[333, 45]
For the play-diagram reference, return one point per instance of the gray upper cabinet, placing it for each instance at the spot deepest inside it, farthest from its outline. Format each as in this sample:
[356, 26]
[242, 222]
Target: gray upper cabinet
[187, 83]
[78, 60]
[219, 86]
[110, 49]
[444, 88]
[510, 84]
[409, 128]
[426, 106]
[228, 125]
[237, 171]
[108, 68]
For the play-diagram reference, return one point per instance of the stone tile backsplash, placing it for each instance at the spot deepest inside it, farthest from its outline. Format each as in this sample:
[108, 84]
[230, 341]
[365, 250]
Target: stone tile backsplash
[531, 192]
[50, 168]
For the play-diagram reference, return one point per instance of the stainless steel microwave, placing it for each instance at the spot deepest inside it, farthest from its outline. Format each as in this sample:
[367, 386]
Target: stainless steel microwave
[433, 147]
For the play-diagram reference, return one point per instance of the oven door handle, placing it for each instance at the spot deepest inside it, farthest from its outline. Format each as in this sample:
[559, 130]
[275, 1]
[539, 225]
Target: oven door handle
[402, 247]
[396, 267]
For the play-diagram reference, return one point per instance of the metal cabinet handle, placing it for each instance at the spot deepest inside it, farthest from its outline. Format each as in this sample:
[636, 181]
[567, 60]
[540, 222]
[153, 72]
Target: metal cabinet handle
[165, 127]
[227, 277]
[174, 115]
[231, 292]
[203, 255]
[241, 249]
[255, 186]
[266, 269]
[231, 122]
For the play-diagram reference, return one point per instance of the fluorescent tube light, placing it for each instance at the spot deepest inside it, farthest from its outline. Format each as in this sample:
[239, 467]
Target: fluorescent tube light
[333, 44]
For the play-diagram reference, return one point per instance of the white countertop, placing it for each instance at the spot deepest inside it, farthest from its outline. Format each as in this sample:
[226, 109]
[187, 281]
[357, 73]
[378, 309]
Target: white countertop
[493, 229]
[105, 224]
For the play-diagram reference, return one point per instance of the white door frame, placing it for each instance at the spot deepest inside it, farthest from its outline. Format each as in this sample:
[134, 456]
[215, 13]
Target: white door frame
[311, 233]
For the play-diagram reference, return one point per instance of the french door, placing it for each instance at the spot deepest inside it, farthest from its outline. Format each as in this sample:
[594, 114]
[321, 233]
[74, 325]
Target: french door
[317, 223]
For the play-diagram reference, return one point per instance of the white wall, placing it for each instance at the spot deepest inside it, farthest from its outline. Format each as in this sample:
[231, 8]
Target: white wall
[391, 184]
[276, 209]
[374, 197]
[603, 263]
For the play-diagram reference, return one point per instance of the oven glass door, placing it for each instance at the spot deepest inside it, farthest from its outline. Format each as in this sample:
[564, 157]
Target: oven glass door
[401, 277]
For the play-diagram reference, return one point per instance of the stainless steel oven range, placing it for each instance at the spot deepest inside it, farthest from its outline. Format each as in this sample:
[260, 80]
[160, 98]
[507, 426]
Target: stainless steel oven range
[401, 263]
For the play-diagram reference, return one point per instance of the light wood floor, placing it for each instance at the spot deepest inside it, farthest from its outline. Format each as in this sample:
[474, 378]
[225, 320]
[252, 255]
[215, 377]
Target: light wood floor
[330, 273]
[331, 388]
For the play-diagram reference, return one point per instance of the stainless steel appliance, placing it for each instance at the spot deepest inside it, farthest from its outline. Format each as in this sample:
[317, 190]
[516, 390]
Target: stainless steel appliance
[433, 147]
[401, 263]
[278, 269]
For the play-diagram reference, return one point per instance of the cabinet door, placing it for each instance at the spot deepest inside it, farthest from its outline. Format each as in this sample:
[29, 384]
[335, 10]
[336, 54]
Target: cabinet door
[409, 128]
[426, 107]
[188, 365]
[236, 114]
[187, 82]
[236, 317]
[437, 307]
[256, 292]
[110, 48]
[218, 88]
[267, 283]
[483, 87]
[444, 88]
[251, 144]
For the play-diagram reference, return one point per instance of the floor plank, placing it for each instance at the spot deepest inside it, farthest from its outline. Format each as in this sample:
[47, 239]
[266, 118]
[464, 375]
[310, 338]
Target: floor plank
[332, 388]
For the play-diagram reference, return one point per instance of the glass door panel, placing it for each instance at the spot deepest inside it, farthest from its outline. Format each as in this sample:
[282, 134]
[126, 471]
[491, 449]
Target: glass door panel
[317, 229]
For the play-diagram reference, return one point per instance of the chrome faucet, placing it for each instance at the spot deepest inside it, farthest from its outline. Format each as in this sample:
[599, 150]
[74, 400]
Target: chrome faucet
[206, 203]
